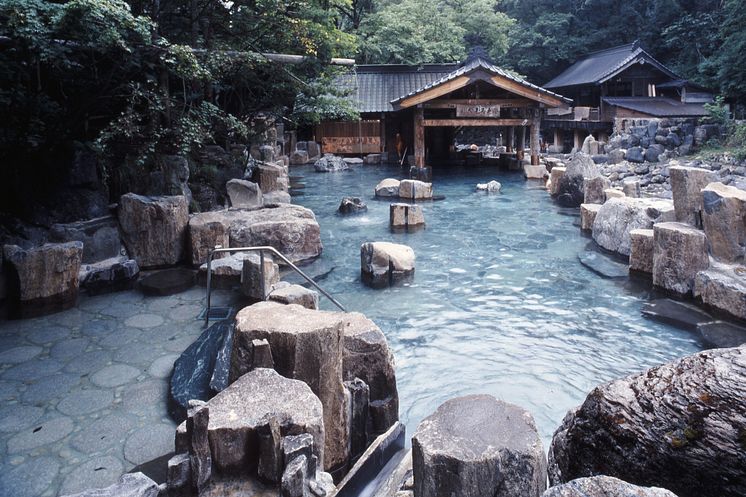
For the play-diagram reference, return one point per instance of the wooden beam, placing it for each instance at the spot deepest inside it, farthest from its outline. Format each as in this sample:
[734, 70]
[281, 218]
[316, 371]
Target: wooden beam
[530, 93]
[502, 102]
[475, 122]
[419, 137]
[435, 92]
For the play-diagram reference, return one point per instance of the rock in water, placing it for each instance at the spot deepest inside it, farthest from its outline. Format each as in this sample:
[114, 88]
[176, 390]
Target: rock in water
[306, 345]
[415, 189]
[491, 187]
[129, 485]
[352, 205]
[330, 164]
[719, 334]
[47, 277]
[604, 486]
[619, 216]
[154, 229]
[679, 426]
[389, 187]
[478, 446]
[383, 263]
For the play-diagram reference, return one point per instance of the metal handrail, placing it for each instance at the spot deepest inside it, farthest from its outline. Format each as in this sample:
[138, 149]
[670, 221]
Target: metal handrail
[218, 249]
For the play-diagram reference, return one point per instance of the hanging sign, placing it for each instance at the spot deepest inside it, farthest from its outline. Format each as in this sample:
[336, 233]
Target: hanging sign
[477, 110]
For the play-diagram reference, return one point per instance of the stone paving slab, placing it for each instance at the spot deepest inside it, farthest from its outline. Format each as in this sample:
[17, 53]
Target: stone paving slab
[84, 391]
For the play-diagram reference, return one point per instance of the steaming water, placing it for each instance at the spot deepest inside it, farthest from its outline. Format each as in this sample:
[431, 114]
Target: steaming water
[499, 303]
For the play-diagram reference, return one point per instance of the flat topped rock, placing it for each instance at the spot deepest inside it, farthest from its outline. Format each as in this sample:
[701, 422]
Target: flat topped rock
[168, 282]
[474, 427]
[129, 485]
[475, 446]
[306, 345]
[675, 313]
[237, 412]
[720, 334]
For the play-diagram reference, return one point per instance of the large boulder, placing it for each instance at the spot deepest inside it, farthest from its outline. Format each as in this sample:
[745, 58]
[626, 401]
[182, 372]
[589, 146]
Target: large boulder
[206, 231]
[154, 229]
[477, 446]
[723, 287]
[383, 263]
[618, 216]
[724, 221]
[100, 237]
[129, 485]
[367, 356]
[604, 486]
[635, 154]
[306, 345]
[415, 189]
[299, 157]
[241, 410]
[686, 186]
[388, 187]
[46, 278]
[330, 164]
[571, 187]
[291, 229]
[679, 253]
[244, 194]
[679, 426]
[225, 272]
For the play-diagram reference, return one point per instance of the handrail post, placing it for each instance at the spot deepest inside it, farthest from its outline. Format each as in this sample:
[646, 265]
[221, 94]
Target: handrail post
[261, 272]
[209, 283]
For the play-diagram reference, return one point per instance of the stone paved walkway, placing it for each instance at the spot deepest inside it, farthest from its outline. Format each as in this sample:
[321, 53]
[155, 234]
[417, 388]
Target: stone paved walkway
[83, 392]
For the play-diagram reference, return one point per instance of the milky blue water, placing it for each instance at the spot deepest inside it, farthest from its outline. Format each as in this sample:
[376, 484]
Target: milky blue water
[499, 303]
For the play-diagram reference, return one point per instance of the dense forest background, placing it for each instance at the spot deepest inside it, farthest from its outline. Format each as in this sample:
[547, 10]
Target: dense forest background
[141, 78]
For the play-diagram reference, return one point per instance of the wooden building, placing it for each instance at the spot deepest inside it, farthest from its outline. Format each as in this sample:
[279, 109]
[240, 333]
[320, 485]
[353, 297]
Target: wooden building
[619, 82]
[416, 109]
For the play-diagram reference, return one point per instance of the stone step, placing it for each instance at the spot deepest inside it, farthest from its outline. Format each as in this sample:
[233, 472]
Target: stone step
[675, 313]
[721, 334]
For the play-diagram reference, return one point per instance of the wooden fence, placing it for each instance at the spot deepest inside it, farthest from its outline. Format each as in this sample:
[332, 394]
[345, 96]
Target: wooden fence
[357, 137]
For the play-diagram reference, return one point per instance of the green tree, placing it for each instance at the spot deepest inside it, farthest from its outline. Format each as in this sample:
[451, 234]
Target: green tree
[731, 58]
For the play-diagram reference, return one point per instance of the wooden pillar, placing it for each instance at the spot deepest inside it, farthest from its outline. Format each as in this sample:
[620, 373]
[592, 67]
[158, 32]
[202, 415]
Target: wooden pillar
[577, 140]
[558, 139]
[511, 135]
[521, 138]
[535, 139]
[419, 137]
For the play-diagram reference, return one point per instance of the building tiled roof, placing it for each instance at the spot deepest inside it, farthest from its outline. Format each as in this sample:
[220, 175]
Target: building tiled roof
[474, 64]
[658, 106]
[600, 66]
[374, 87]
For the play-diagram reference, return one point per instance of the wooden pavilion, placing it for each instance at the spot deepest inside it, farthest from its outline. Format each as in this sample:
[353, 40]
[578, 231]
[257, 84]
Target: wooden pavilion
[424, 106]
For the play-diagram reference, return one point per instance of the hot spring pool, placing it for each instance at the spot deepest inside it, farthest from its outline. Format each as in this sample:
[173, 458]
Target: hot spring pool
[499, 304]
